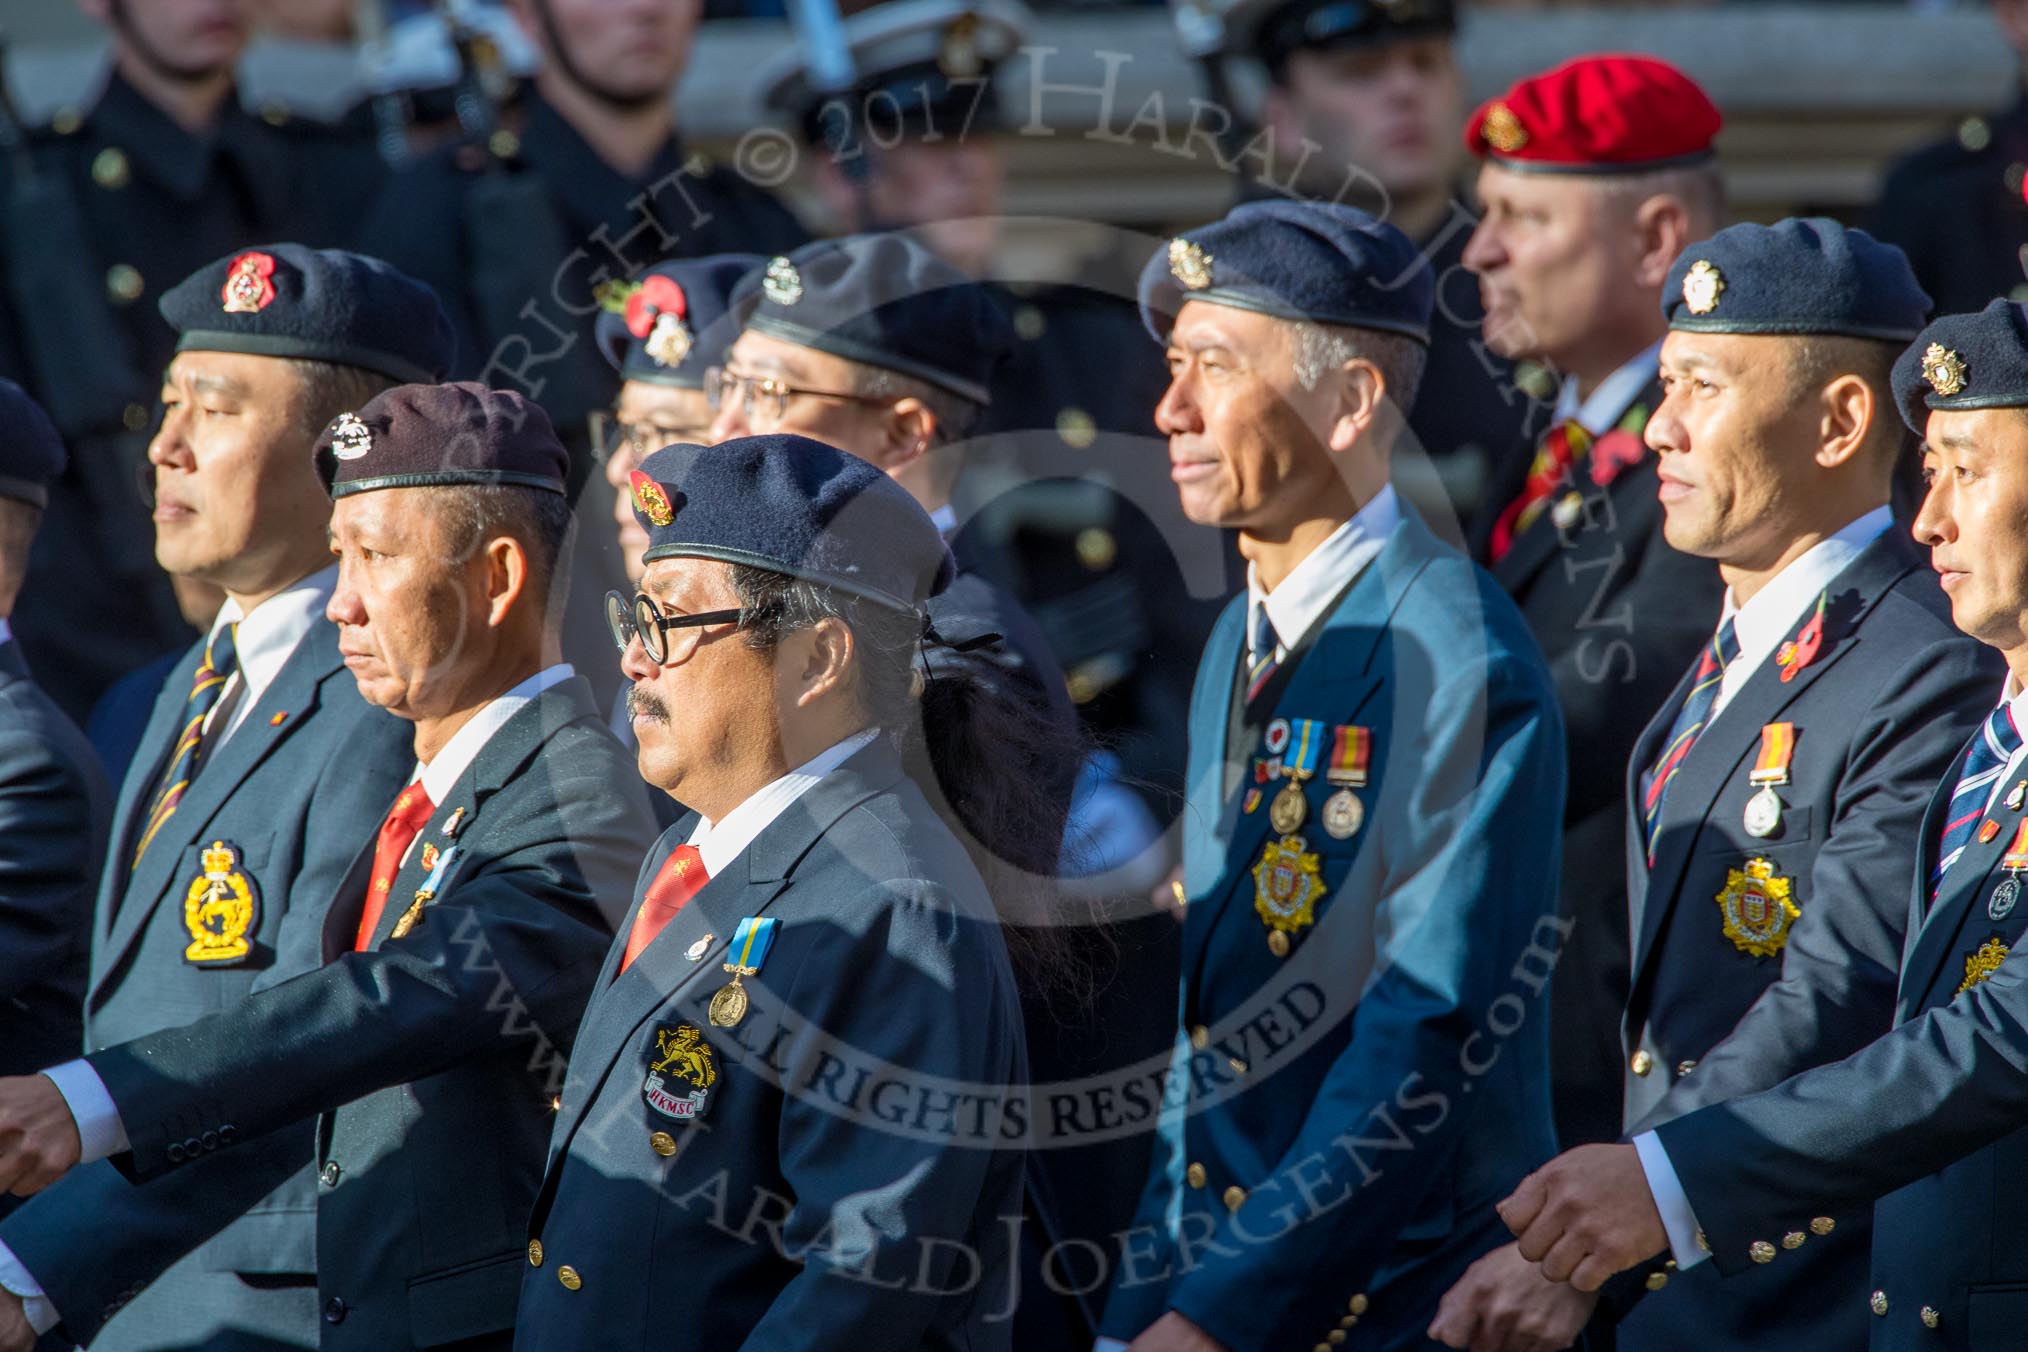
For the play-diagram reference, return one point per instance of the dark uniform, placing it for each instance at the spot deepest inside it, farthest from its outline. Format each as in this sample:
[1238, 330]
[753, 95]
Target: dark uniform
[1955, 207]
[104, 210]
[1573, 532]
[1923, 1124]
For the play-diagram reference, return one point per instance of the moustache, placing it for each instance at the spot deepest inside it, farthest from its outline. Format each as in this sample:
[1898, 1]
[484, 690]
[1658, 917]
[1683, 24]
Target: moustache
[644, 704]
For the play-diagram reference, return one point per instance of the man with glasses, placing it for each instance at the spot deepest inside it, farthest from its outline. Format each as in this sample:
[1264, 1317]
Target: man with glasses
[786, 1121]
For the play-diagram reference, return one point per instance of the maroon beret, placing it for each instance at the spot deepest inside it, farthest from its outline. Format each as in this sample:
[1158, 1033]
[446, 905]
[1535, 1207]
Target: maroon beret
[433, 436]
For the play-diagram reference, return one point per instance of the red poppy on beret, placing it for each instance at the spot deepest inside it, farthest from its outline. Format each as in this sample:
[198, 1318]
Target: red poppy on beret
[657, 295]
[1598, 114]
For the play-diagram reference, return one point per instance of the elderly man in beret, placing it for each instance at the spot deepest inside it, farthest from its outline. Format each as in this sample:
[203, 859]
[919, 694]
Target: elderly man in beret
[1593, 178]
[53, 798]
[259, 771]
[1787, 774]
[418, 1066]
[1375, 778]
[1923, 1124]
[787, 1121]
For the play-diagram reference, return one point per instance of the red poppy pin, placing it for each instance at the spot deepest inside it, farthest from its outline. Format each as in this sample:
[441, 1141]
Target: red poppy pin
[248, 289]
[1796, 655]
[1616, 451]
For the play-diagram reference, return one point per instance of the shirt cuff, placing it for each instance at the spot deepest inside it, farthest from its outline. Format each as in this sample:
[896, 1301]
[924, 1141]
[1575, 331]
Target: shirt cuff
[1102, 1345]
[100, 1133]
[1677, 1218]
[41, 1315]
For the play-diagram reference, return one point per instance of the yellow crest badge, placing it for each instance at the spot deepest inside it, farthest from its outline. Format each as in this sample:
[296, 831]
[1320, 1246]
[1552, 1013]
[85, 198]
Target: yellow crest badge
[680, 1057]
[1943, 369]
[1502, 130]
[1286, 885]
[1702, 286]
[1189, 264]
[1758, 905]
[1983, 962]
[219, 909]
[649, 499]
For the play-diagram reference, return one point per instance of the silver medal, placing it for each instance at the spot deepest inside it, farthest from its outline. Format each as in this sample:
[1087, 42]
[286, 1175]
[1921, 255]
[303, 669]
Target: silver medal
[1763, 813]
[2001, 903]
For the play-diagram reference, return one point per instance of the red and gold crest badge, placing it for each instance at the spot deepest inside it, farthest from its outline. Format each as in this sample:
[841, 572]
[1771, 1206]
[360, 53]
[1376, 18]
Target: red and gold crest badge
[650, 501]
[248, 289]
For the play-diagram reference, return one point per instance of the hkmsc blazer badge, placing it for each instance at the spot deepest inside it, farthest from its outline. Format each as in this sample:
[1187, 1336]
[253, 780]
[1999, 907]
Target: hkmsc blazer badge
[219, 908]
[681, 1057]
[1758, 906]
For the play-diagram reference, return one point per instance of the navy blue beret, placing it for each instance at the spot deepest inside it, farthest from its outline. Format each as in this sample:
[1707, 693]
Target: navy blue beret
[31, 453]
[1802, 275]
[285, 300]
[1965, 362]
[671, 326]
[439, 436]
[886, 301]
[792, 505]
[1314, 261]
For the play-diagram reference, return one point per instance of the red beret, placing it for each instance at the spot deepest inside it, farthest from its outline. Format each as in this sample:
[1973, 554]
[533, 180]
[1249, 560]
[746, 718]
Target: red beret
[1597, 114]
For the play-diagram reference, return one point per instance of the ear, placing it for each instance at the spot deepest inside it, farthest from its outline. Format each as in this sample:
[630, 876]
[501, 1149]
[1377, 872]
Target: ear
[1361, 402]
[2012, 17]
[1661, 234]
[838, 194]
[822, 660]
[907, 433]
[506, 570]
[1278, 113]
[1849, 407]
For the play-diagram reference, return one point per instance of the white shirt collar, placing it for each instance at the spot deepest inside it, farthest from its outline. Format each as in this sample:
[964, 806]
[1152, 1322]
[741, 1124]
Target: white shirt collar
[6, 633]
[265, 640]
[1608, 403]
[440, 776]
[725, 841]
[1307, 592]
[946, 520]
[1762, 623]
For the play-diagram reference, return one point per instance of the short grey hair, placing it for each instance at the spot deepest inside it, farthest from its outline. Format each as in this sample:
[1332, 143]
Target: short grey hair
[1318, 348]
[955, 415]
[1699, 187]
[541, 521]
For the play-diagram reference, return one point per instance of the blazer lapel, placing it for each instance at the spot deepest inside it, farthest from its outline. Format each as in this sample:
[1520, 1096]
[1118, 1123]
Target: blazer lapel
[1958, 903]
[137, 790]
[1646, 749]
[293, 696]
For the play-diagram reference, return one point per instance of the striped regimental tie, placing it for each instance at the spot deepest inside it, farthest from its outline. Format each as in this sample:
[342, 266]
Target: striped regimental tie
[1984, 763]
[1690, 721]
[220, 658]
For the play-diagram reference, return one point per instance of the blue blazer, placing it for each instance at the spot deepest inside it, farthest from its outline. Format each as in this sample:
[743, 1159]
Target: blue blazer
[1924, 1124]
[844, 1171]
[1879, 714]
[1339, 1122]
[305, 778]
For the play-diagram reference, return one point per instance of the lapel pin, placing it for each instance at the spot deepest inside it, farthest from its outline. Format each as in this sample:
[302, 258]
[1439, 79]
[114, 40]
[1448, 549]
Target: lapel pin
[698, 949]
[279, 719]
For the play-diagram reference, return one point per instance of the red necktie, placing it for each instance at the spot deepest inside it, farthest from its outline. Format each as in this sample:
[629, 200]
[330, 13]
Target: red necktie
[1556, 456]
[679, 879]
[410, 812]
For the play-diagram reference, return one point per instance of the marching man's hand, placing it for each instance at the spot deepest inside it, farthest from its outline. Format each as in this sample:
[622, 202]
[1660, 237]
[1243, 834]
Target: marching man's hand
[1173, 1333]
[1503, 1303]
[16, 1333]
[1586, 1215]
[38, 1136]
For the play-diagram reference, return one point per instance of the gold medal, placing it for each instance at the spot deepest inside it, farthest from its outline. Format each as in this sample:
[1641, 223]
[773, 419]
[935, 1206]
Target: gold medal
[1278, 943]
[728, 1007]
[1344, 814]
[1287, 811]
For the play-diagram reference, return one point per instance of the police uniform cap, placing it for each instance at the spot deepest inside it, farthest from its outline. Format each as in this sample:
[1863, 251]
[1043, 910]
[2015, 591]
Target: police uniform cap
[1965, 362]
[887, 301]
[796, 506]
[1802, 276]
[700, 302]
[1316, 262]
[1598, 114]
[31, 453]
[916, 69]
[1275, 29]
[439, 436]
[286, 300]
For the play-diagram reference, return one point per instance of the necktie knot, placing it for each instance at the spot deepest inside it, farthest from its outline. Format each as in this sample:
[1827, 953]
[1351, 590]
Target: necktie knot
[1261, 638]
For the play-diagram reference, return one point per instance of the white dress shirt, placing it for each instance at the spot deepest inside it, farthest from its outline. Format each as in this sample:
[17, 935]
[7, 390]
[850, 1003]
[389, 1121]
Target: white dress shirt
[1307, 592]
[727, 839]
[263, 644]
[1609, 401]
[6, 632]
[101, 1134]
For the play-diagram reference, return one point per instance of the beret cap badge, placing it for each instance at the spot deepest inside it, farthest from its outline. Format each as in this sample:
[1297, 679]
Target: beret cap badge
[650, 500]
[247, 289]
[1702, 286]
[1190, 264]
[1503, 130]
[1943, 369]
[350, 438]
[781, 283]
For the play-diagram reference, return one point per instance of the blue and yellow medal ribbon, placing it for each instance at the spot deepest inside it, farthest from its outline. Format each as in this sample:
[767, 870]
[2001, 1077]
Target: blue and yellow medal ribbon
[1306, 744]
[750, 945]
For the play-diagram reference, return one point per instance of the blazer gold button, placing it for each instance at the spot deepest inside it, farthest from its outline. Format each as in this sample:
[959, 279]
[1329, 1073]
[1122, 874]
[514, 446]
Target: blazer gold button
[568, 1276]
[1348, 1321]
[1879, 1302]
[1793, 1239]
[1321, 1347]
[1235, 1198]
[1337, 1336]
[1200, 1037]
[1823, 1225]
[662, 1143]
[535, 1253]
[1194, 1175]
[1642, 1062]
[1761, 1251]
[1930, 1317]
[1357, 1304]
[1657, 1280]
